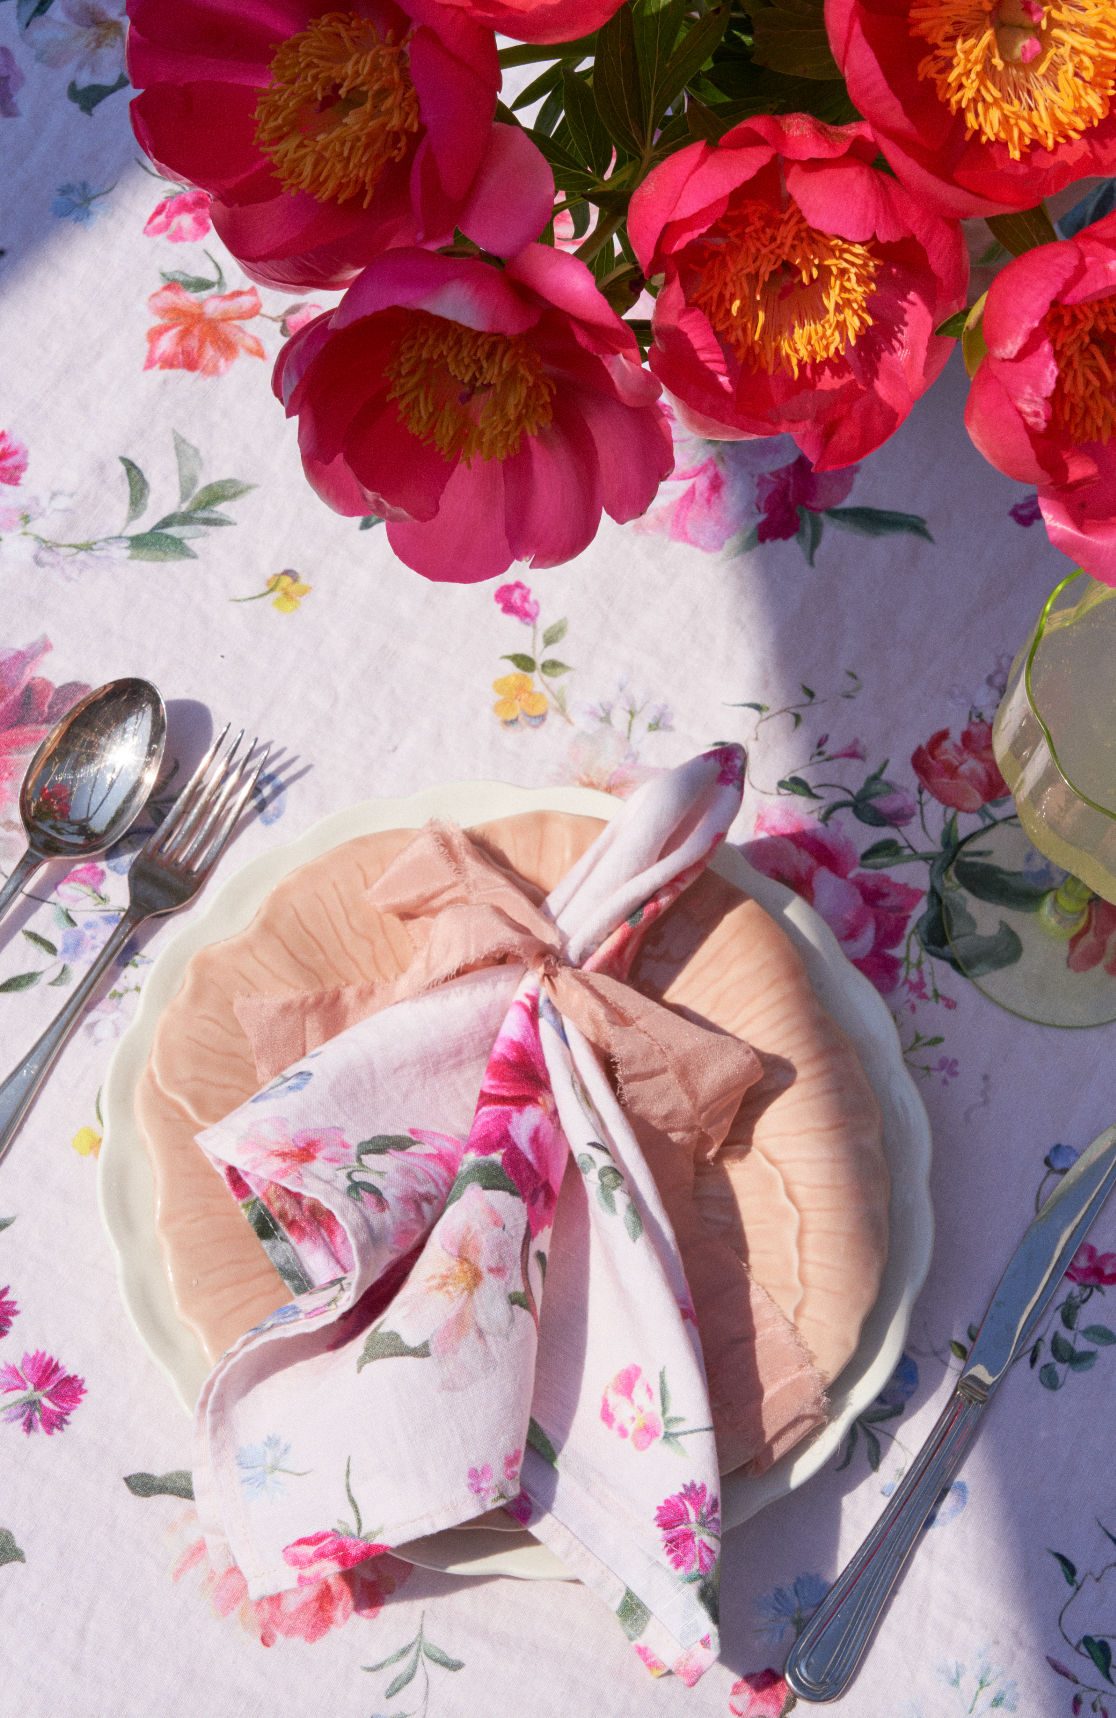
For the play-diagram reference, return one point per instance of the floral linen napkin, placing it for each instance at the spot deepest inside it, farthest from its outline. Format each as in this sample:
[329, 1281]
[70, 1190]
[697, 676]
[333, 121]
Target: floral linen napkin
[494, 1310]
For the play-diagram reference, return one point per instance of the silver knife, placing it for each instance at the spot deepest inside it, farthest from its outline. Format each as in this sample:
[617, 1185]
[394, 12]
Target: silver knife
[825, 1657]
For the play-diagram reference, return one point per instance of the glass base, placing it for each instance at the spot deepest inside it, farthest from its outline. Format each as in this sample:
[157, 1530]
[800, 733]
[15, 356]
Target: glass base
[1007, 935]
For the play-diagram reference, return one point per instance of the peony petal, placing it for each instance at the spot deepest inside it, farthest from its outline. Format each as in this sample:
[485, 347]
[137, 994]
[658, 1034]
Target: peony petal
[635, 451]
[457, 106]
[512, 196]
[1020, 295]
[384, 456]
[552, 490]
[204, 133]
[473, 293]
[466, 542]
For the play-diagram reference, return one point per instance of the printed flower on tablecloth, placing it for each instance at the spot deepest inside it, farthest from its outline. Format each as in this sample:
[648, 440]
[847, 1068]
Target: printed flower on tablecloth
[690, 1522]
[8, 1311]
[13, 460]
[29, 706]
[84, 36]
[517, 704]
[457, 1297]
[763, 1694]
[501, 435]
[960, 773]
[517, 1117]
[11, 82]
[866, 911]
[977, 107]
[79, 202]
[491, 1492]
[1041, 406]
[182, 218]
[516, 599]
[302, 1613]
[328, 1553]
[1091, 1267]
[605, 760]
[628, 1408]
[48, 1394]
[327, 137]
[201, 334]
[790, 1607]
[802, 286]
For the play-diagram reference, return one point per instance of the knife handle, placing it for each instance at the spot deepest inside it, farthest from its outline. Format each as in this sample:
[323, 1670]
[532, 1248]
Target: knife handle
[825, 1657]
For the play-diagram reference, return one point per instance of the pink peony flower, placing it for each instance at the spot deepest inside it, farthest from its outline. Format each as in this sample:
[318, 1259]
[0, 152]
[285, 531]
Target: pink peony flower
[182, 218]
[489, 415]
[326, 137]
[802, 288]
[517, 600]
[690, 1522]
[764, 1694]
[961, 773]
[517, 1117]
[13, 460]
[1042, 406]
[327, 1553]
[8, 1311]
[866, 912]
[628, 1408]
[980, 109]
[1089, 1266]
[201, 334]
[48, 1396]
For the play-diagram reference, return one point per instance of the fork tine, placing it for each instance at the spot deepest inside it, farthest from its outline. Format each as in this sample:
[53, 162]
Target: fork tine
[173, 820]
[184, 836]
[209, 856]
[221, 791]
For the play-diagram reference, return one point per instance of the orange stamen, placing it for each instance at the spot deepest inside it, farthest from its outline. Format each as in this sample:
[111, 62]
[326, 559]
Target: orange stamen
[1023, 74]
[1083, 336]
[339, 107]
[470, 394]
[779, 292]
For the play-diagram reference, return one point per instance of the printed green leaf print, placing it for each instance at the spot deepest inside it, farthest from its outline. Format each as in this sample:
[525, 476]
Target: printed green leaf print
[9, 1550]
[386, 1345]
[179, 1483]
[413, 1657]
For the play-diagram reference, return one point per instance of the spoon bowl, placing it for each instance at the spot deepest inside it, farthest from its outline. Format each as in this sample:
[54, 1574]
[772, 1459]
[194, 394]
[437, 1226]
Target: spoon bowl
[91, 777]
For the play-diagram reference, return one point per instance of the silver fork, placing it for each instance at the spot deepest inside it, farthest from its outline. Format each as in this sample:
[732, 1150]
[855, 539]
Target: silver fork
[166, 873]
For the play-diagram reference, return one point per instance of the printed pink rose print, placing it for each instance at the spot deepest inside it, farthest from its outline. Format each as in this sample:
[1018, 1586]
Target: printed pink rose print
[763, 1694]
[327, 1553]
[48, 1394]
[690, 1522]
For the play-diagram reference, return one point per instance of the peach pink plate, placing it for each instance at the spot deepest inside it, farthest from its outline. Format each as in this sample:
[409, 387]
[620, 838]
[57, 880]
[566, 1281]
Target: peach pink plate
[820, 1189]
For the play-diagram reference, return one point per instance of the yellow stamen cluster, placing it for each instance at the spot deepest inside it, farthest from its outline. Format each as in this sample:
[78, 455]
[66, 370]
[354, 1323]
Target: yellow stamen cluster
[339, 107]
[471, 394]
[1022, 73]
[779, 292]
[1084, 340]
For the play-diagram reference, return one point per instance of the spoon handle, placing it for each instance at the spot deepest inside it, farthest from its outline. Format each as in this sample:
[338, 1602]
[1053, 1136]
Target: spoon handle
[18, 1090]
[29, 863]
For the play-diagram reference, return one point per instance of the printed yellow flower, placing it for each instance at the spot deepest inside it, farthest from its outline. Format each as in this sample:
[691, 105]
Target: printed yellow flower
[519, 704]
[86, 1142]
[288, 590]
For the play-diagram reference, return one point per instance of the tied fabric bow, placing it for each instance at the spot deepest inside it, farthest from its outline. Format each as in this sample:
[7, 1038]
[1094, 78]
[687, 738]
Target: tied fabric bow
[494, 1307]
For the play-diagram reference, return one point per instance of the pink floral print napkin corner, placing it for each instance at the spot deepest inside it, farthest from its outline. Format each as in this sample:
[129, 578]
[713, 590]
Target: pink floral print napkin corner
[493, 1307]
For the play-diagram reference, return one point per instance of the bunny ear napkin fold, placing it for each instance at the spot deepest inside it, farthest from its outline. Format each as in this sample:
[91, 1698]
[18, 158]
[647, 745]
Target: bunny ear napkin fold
[480, 1177]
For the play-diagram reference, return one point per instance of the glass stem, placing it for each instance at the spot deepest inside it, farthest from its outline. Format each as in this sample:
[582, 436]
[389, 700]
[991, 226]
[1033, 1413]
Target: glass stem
[1063, 911]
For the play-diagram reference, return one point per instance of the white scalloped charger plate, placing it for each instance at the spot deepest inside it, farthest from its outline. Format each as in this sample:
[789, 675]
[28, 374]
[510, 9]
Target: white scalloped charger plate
[126, 1188]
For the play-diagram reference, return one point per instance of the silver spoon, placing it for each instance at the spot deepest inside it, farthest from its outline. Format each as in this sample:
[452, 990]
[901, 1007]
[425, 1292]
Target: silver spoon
[90, 778]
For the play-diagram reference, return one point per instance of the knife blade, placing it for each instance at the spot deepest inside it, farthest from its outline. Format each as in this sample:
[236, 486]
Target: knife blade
[826, 1655]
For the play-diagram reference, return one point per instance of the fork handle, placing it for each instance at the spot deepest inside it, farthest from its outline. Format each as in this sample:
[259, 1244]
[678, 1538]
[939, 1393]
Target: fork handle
[824, 1659]
[21, 870]
[18, 1090]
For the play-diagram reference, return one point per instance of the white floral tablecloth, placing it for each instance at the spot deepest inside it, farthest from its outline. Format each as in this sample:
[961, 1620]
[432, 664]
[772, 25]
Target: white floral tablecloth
[854, 631]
